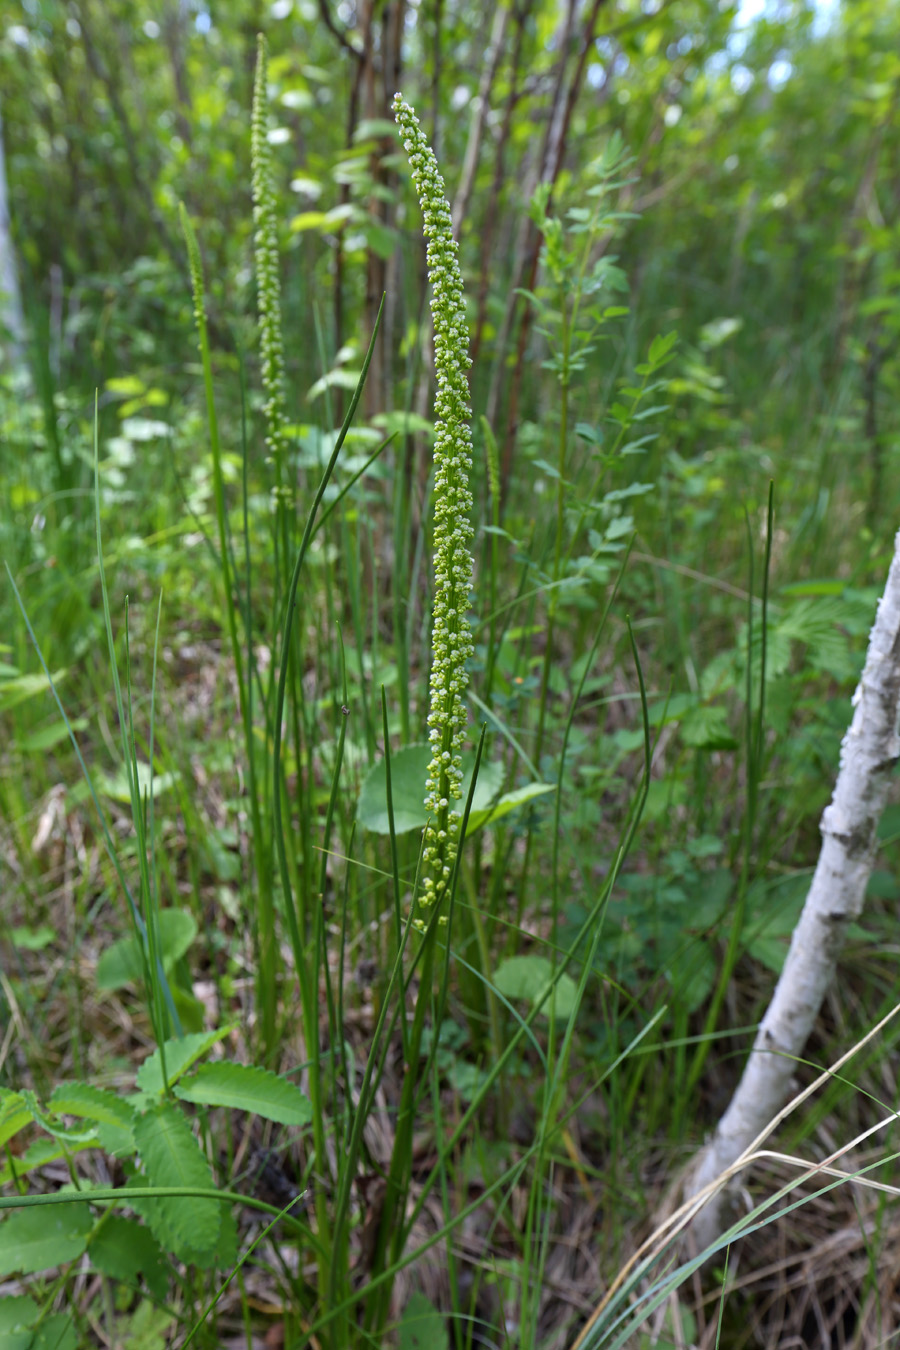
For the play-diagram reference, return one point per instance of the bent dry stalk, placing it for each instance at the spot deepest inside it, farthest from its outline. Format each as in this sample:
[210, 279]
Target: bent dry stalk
[451, 635]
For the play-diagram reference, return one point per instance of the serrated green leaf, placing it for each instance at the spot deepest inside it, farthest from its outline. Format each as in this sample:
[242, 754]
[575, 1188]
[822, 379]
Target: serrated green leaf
[43, 1237]
[47, 1120]
[226, 1252]
[14, 1114]
[180, 1055]
[527, 977]
[510, 801]
[92, 1103]
[244, 1087]
[124, 1248]
[121, 963]
[172, 1157]
[409, 769]
[705, 727]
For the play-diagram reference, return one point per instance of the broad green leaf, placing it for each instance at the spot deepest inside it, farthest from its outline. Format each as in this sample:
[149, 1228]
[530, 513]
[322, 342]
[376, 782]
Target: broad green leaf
[180, 1055]
[340, 379]
[772, 937]
[22, 687]
[717, 331]
[693, 977]
[147, 1328]
[829, 587]
[46, 737]
[508, 802]
[145, 429]
[190, 1009]
[43, 1151]
[409, 769]
[118, 787]
[56, 1332]
[243, 1087]
[171, 1156]
[381, 239]
[370, 128]
[16, 1315]
[14, 1114]
[125, 386]
[422, 1327]
[124, 1249]
[527, 977]
[403, 423]
[660, 348]
[115, 1140]
[43, 1237]
[33, 939]
[120, 964]
[307, 187]
[336, 218]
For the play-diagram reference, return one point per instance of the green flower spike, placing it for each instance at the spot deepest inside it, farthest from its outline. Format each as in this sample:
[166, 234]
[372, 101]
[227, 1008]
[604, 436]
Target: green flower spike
[265, 246]
[451, 637]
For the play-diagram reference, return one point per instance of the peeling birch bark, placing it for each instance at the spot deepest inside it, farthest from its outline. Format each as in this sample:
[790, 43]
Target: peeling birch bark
[869, 752]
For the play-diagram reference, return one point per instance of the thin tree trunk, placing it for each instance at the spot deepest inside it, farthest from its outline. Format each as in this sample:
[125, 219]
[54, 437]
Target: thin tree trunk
[492, 215]
[12, 323]
[869, 752]
[480, 111]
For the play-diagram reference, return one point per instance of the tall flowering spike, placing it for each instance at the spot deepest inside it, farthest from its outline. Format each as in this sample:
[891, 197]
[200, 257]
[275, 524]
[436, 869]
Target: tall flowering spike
[451, 636]
[265, 246]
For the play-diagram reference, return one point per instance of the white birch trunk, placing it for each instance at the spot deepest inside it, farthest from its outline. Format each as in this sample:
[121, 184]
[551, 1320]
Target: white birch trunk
[869, 752]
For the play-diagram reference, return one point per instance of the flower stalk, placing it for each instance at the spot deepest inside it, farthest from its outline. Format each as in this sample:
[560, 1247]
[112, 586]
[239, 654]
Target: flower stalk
[451, 635]
[265, 249]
